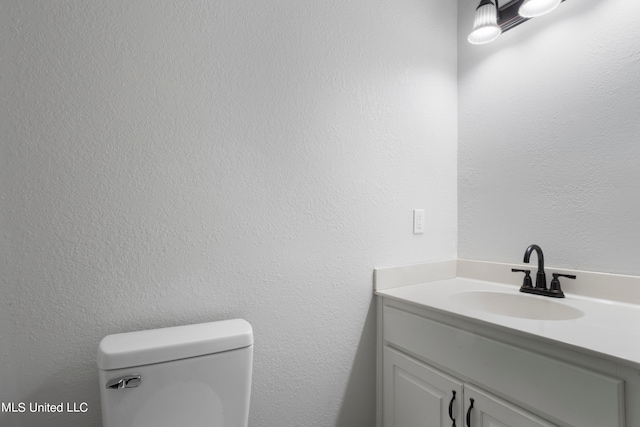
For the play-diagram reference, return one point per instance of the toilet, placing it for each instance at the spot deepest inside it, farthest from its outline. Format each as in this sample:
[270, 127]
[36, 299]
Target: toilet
[192, 376]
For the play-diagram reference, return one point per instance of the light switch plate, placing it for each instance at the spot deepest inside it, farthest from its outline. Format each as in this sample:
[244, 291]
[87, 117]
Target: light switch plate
[418, 221]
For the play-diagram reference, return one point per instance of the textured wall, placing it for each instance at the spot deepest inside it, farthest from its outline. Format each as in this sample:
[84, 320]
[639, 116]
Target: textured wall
[549, 137]
[170, 162]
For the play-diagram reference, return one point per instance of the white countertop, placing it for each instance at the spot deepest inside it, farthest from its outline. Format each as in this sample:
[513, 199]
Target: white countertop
[607, 328]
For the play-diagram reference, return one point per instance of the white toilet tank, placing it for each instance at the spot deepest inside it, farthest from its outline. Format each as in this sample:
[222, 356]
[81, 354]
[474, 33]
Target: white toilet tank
[184, 376]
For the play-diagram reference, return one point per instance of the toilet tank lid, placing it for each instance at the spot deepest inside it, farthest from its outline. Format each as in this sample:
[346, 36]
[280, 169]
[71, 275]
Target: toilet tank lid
[179, 342]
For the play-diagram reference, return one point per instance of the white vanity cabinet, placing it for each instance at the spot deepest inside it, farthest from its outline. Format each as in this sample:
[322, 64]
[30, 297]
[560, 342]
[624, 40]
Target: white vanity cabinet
[418, 395]
[426, 357]
[485, 410]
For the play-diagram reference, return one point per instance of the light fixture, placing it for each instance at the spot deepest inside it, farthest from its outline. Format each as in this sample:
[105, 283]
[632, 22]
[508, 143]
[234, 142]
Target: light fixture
[533, 8]
[485, 24]
[491, 19]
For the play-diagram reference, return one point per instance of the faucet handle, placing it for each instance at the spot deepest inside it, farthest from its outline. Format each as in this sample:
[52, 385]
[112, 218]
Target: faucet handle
[554, 287]
[568, 276]
[526, 282]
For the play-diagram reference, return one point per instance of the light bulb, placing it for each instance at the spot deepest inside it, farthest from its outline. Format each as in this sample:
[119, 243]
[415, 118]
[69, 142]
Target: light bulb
[534, 8]
[485, 24]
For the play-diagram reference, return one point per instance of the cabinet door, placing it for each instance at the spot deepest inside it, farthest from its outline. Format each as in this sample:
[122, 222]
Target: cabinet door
[485, 410]
[417, 395]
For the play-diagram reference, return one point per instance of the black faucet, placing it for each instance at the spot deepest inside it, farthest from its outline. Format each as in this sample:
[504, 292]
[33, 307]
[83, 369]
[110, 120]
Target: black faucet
[541, 279]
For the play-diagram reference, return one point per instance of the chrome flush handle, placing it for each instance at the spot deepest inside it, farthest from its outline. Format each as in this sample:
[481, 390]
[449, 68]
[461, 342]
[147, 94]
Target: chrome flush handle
[130, 381]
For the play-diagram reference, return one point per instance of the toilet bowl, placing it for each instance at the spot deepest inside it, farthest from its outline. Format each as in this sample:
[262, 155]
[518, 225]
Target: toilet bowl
[193, 376]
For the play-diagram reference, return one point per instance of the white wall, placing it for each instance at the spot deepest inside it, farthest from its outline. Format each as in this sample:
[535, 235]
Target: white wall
[549, 135]
[170, 162]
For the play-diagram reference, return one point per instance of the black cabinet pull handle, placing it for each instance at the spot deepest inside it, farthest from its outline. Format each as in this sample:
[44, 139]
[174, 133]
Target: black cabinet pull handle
[469, 413]
[453, 398]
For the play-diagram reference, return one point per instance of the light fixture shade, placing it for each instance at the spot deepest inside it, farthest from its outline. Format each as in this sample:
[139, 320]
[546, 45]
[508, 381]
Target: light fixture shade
[485, 24]
[533, 8]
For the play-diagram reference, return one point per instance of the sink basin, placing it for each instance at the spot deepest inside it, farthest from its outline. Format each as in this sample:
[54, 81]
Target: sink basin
[518, 305]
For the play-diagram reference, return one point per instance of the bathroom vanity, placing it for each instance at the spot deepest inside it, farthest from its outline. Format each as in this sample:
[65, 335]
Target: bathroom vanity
[458, 345]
